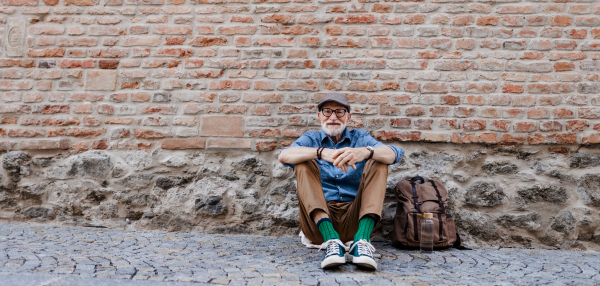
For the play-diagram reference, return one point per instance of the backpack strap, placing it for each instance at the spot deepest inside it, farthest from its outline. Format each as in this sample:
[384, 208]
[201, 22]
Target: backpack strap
[437, 193]
[417, 178]
[415, 196]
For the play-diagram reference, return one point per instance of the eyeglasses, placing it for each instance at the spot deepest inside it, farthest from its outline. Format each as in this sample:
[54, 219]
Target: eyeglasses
[338, 112]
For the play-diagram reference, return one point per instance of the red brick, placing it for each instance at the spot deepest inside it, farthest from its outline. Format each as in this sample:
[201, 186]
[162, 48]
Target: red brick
[26, 63]
[79, 2]
[265, 146]
[100, 144]
[473, 124]
[180, 144]
[463, 20]
[86, 132]
[151, 134]
[488, 138]
[28, 133]
[400, 123]
[564, 66]
[415, 111]
[560, 20]
[265, 133]
[577, 125]
[81, 146]
[120, 121]
[440, 111]
[487, 20]
[356, 19]
[464, 111]
[448, 124]
[238, 30]
[564, 138]
[285, 19]
[538, 113]
[298, 30]
[9, 120]
[20, 2]
[398, 136]
[423, 124]
[524, 126]
[47, 53]
[513, 139]
[500, 125]
[550, 126]
[77, 63]
[167, 110]
[414, 19]
[590, 139]
[563, 113]
[62, 121]
[382, 8]
[202, 41]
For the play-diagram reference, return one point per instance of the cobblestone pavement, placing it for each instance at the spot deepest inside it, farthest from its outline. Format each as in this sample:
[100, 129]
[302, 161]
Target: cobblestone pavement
[32, 254]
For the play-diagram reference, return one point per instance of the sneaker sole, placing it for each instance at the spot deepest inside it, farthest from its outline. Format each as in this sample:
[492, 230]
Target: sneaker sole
[333, 261]
[364, 262]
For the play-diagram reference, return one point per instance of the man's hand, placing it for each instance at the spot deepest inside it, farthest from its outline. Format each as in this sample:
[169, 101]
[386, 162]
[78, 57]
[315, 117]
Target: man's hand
[342, 158]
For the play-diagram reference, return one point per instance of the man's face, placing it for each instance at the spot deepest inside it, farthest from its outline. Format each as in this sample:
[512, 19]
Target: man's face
[333, 125]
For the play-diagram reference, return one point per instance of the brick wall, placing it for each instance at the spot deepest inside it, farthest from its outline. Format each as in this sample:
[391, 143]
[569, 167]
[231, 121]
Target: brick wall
[139, 74]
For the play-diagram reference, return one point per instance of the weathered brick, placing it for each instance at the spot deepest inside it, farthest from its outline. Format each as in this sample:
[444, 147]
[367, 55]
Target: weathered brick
[45, 144]
[488, 138]
[180, 144]
[152, 134]
[228, 126]
[101, 80]
[217, 143]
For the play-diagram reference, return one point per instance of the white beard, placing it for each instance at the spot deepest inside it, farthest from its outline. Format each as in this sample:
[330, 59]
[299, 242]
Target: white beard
[332, 132]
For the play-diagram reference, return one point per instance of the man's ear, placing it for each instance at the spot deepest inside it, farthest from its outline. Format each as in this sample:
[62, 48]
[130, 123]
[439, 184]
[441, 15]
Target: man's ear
[349, 116]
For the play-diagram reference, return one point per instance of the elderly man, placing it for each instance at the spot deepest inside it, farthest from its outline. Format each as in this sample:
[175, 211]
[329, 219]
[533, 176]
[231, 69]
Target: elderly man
[341, 176]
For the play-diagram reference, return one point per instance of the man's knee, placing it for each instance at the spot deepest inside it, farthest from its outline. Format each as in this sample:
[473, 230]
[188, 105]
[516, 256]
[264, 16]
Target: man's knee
[303, 167]
[378, 167]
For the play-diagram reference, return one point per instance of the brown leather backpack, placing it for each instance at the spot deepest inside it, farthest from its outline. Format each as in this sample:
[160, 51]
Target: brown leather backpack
[415, 197]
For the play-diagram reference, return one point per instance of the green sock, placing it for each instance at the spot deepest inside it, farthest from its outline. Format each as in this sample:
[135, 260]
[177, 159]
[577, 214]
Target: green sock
[365, 227]
[326, 228]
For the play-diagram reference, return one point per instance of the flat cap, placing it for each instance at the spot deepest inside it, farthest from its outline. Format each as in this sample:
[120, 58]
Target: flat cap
[335, 97]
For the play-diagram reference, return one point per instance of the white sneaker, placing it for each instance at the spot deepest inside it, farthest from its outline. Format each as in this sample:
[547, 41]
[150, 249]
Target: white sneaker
[335, 253]
[361, 254]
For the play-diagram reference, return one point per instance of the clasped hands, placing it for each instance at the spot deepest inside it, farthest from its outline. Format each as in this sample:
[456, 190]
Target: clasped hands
[345, 157]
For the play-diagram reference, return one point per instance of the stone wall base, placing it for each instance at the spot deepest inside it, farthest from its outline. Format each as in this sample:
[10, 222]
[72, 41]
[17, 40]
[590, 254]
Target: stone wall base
[526, 196]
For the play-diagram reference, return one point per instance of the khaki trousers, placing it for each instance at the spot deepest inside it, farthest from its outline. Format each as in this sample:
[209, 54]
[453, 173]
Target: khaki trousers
[344, 215]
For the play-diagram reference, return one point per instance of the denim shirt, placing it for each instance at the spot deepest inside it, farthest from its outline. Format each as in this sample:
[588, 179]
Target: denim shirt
[338, 185]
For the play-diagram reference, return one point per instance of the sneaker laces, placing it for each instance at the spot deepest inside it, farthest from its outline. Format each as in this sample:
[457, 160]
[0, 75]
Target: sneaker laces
[364, 247]
[332, 247]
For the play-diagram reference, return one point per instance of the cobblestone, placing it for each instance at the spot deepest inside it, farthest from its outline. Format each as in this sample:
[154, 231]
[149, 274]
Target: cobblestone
[34, 254]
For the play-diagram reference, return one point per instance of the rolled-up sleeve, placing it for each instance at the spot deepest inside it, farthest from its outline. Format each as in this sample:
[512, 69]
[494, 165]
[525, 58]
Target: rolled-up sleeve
[370, 141]
[399, 153]
[304, 141]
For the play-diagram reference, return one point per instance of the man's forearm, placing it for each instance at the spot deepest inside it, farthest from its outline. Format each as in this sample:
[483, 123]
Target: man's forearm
[384, 155]
[297, 155]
